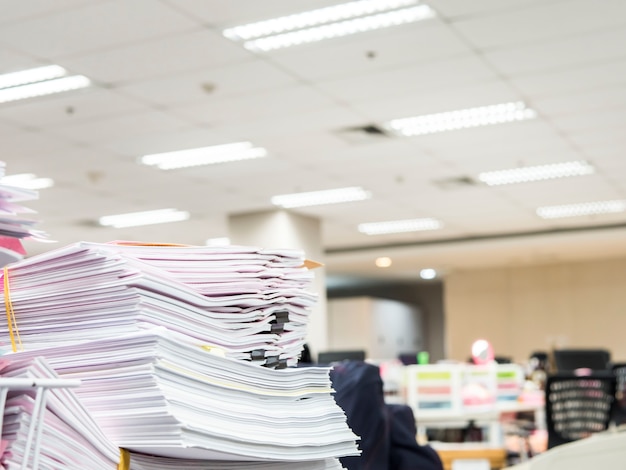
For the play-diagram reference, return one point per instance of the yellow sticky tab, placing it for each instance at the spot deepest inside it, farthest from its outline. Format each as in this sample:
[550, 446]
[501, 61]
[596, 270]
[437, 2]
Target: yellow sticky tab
[11, 321]
[124, 460]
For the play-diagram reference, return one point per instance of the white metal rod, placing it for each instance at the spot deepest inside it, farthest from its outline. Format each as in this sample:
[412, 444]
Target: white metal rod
[14, 383]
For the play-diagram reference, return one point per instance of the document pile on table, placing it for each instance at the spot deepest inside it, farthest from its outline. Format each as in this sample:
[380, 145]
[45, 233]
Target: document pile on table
[71, 439]
[183, 353]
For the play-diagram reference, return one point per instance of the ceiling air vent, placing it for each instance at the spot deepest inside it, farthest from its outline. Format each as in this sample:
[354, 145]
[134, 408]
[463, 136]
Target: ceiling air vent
[458, 182]
[363, 134]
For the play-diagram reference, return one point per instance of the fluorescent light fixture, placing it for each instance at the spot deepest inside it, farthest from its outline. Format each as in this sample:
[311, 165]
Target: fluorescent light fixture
[460, 119]
[135, 219]
[428, 273]
[47, 87]
[204, 156]
[400, 226]
[536, 173]
[219, 241]
[582, 209]
[38, 74]
[327, 23]
[317, 198]
[27, 181]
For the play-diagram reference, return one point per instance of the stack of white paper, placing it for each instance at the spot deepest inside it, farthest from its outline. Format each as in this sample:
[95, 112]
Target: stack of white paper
[12, 228]
[9, 207]
[251, 303]
[152, 394]
[71, 439]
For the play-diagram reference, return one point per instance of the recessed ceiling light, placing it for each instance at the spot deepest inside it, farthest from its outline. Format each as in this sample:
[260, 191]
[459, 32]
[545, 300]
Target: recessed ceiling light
[327, 23]
[383, 262]
[317, 198]
[39, 81]
[135, 219]
[582, 209]
[460, 119]
[204, 156]
[428, 273]
[27, 181]
[536, 173]
[400, 226]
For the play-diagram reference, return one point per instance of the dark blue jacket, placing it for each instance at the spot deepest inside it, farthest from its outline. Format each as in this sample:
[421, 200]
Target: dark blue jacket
[387, 431]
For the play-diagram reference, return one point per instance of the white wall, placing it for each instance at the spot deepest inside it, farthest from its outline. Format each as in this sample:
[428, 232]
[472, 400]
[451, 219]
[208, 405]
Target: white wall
[383, 328]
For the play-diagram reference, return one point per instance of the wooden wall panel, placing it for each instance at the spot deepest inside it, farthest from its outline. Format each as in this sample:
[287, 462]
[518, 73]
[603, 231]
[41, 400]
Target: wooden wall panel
[524, 309]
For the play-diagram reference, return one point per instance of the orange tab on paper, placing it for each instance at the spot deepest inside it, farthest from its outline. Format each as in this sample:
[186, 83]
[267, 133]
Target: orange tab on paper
[309, 263]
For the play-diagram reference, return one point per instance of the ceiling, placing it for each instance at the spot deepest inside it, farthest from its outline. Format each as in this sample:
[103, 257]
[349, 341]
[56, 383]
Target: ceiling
[166, 79]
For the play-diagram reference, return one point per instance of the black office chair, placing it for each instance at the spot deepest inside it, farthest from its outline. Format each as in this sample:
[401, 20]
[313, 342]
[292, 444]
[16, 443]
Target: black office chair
[619, 410]
[571, 359]
[578, 405]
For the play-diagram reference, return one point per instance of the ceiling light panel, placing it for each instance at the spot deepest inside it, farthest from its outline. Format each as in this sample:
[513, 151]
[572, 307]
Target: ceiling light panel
[204, 156]
[136, 219]
[460, 119]
[318, 198]
[24, 77]
[400, 226]
[536, 173]
[39, 81]
[327, 23]
[581, 209]
[27, 181]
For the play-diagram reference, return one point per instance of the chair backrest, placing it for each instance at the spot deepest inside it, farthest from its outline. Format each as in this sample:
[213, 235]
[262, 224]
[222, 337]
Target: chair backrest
[571, 359]
[578, 405]
[619, 411]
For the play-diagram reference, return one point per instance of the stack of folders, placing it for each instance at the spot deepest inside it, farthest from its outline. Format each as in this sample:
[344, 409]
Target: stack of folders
[251, 303]
[72, 440]
[12, 227]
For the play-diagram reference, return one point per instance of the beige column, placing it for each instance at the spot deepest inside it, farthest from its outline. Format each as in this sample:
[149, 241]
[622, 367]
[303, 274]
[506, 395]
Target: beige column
[283, 229]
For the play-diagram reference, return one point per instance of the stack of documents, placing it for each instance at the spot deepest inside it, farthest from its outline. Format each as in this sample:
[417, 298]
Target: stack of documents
[13, 229]
[252, 304]
[71, 439]
[151, 393]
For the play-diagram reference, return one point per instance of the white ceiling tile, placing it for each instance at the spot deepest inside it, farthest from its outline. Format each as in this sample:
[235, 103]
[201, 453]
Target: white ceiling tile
[209, 82]
[410, 79]
[236, 12]
[354, 55]
[537, 23]
[30, 145]
[572, 80]
[25, 9]
[124, 126]
[13, 61]
[454, 8]
[94, 26]
[560, 191]
[602, 119]
[426, 102]
[289, 101]
[68, 108]
[559, 54]
[605, 98]
[178, 53]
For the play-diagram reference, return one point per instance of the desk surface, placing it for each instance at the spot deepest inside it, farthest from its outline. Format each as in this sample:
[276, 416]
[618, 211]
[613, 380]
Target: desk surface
[450, 452]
